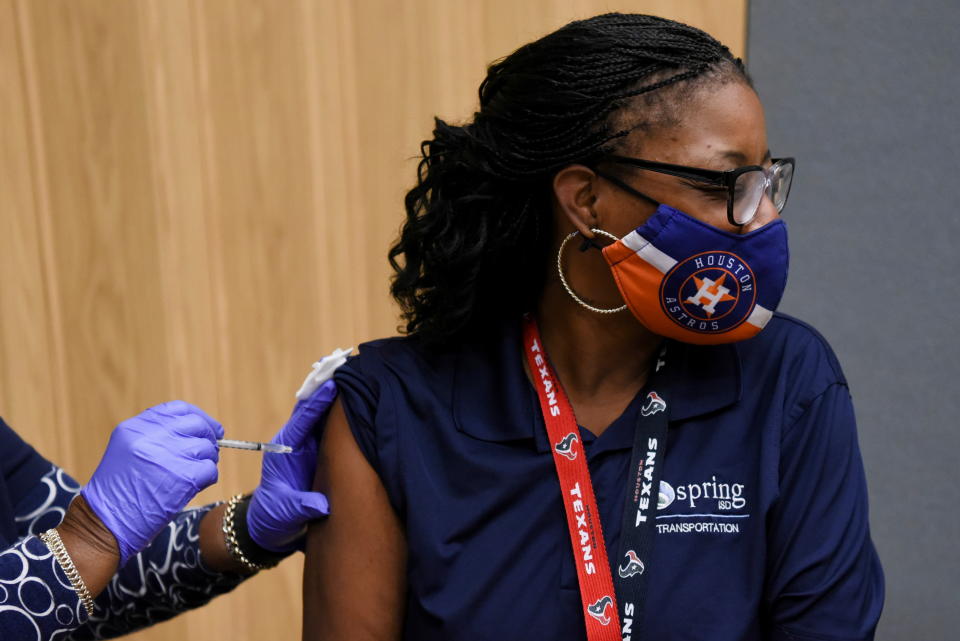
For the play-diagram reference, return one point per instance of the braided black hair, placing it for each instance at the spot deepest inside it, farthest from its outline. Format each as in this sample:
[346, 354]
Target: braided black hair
[478, 221]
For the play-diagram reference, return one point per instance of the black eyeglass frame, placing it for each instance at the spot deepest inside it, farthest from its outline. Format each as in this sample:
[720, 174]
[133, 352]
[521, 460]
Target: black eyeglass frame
[726, 179]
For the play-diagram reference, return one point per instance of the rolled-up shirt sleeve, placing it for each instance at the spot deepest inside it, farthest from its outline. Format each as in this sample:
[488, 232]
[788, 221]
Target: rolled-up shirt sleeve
[825, 579]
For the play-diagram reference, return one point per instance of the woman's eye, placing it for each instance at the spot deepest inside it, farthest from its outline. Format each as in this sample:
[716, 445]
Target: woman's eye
[714, 193]
[711, 192]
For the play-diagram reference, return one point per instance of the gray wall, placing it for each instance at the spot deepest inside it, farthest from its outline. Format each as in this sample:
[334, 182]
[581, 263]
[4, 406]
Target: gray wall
[865, 94]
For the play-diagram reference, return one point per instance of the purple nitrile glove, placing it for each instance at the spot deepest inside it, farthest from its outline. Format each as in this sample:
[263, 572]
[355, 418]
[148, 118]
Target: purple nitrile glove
[154, 464]
[283, 503]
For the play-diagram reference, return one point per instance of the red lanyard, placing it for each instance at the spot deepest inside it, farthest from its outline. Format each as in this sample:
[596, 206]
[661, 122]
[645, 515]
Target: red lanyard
[579, 502]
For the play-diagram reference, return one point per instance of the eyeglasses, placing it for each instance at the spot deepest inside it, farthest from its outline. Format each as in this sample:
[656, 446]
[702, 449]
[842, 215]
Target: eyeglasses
[745, 186]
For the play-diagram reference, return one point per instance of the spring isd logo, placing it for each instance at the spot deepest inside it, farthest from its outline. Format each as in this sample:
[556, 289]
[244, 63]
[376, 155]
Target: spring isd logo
[710, 293]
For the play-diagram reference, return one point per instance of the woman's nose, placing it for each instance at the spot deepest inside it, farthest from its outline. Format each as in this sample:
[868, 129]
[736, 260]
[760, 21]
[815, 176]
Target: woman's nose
[766, 213]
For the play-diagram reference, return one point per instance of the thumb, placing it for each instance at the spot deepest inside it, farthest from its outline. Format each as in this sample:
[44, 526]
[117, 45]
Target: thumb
[313, 505]
[304, 420]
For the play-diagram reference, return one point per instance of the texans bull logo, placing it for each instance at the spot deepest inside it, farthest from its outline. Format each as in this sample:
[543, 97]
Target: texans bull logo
[653, 405]
[632, 567]
[565, 446]
[598, 610]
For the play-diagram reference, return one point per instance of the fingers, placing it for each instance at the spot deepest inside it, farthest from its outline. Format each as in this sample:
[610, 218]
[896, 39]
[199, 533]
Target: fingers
[191, 425]
[182, 408]
[323, 396]
[173, 408]
[214, 424]
[192, 459]
[200, 449]
[314, 505]
[205, 474]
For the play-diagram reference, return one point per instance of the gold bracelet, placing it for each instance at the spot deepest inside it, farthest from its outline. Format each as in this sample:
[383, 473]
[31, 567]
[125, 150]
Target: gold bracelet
[230, 536]
[59, 550]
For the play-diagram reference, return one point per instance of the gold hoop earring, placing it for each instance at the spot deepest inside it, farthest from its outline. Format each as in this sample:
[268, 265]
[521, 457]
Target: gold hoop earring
[563, 279]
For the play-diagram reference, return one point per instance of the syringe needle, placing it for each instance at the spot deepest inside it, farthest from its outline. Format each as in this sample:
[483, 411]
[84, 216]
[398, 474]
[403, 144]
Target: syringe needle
[254, 445]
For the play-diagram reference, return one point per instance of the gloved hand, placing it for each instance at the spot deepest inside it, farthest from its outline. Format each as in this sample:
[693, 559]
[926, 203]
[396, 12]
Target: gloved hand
[283, 503]
[154, 464]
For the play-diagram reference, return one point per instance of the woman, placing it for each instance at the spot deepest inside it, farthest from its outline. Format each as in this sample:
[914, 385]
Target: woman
[602, 241]
[138, 558]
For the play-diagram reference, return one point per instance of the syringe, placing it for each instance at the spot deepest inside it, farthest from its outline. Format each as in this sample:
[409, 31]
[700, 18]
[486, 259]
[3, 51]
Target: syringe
[253, 445]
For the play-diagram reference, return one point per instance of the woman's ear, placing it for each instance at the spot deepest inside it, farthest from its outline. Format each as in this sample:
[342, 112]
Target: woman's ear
[574, 192]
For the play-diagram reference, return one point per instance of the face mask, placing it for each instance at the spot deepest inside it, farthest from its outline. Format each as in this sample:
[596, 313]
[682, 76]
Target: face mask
[687, 280]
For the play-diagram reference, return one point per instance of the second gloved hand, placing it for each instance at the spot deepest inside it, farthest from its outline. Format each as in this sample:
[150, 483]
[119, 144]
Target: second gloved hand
[283, 503]
[155, 463]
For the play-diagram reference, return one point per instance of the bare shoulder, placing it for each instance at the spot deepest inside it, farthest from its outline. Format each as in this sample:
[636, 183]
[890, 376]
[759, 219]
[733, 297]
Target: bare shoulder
[356, 558]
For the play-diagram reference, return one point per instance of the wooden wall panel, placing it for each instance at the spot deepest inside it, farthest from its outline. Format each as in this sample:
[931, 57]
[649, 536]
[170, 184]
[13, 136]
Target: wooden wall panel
[196, 199]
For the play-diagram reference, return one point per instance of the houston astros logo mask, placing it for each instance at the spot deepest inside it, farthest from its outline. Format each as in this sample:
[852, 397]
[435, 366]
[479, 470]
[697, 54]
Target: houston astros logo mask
[690, 281]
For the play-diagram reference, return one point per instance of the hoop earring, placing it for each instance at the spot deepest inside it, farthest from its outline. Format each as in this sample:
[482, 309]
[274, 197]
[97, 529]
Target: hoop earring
[563, 279]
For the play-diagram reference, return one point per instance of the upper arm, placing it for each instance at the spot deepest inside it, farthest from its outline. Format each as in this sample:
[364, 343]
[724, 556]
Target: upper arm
[354, 578]
[824, 579]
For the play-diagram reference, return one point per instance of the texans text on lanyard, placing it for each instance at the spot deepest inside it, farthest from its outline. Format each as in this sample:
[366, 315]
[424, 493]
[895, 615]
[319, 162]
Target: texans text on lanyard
[586, 550]
[584, 518]
[545, 377]
[645, 481]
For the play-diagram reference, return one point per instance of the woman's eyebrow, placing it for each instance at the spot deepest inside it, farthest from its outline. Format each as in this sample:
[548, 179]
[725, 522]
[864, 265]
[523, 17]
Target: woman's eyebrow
[738, 158]
[726, 159]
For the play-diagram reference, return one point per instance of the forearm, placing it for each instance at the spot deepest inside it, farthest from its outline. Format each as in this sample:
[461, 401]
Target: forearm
[123, 602]
[213, 545]
[90, 545]
[183, 568]
[154, 464]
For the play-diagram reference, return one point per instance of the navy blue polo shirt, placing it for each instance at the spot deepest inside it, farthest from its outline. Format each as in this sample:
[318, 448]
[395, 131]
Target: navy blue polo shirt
[762, 528]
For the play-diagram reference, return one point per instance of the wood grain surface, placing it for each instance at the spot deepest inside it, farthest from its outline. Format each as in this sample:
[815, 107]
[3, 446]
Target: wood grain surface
[196, 200]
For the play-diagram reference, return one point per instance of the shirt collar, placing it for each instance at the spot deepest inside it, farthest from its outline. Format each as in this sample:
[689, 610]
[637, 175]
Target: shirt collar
[708, 378]
[493, 400]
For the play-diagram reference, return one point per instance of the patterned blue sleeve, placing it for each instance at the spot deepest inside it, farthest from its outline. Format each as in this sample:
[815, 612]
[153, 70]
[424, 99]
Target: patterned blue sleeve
[45, 504]
[37, 601]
